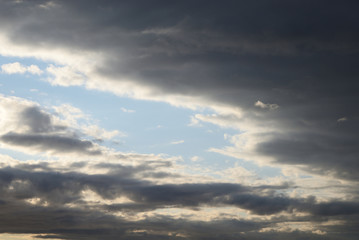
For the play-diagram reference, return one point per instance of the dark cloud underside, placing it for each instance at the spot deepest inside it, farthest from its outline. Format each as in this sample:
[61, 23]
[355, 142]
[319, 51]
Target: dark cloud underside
[37, 131]
[50, 143]
[67, 215]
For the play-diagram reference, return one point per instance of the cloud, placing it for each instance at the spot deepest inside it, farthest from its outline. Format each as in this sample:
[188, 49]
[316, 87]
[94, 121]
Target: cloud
[16, 67]
[46, 183]
[49, 198]
[177, 142]
[56, 144]
[343, 119]
[269, 106]
[127, 110]
[305, 148]
[65, 76]
[37, 120]
[196, 159]
[219, 57]
[27, 126]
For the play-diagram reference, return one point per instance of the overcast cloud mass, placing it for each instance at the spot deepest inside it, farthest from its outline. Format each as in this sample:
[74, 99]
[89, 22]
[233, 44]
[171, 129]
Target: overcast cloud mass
[280, 76]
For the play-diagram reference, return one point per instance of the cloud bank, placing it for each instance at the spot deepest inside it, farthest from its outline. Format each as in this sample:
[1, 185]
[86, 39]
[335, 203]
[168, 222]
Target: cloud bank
[52, 198]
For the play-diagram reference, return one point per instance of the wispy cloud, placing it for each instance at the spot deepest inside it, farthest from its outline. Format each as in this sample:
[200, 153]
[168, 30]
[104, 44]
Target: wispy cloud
[177, 142]
[270, 106]
[127, 110]
[343, 119]
[65, 76]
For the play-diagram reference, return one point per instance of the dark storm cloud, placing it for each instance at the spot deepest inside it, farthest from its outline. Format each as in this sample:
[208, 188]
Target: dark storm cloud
[300, 55]
[61, 211]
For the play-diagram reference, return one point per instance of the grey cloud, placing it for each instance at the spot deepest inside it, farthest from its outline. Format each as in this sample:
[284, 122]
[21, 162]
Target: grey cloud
[261, 205]
[39, 132]
[327, 154]
[38, 120]
[336, 208]
[76, 224]
[58, 189]
[52, 143]
[48, 237]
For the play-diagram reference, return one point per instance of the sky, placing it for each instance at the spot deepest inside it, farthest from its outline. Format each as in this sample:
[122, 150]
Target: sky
[180, 120]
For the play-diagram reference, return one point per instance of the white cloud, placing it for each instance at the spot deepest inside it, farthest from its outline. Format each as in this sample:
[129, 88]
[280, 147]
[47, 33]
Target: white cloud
[295, 226]
[177, 142]
[270, 106]
[127, 110]
[71, 115]
[196, 158]
[244, 147]
[48, 5]
[34, 69]
[12, 236]
[238, 174]
[26, 126]
[65, 76]
[96, 131]
[343, 119]
[194, 122]
[10, 110]
[12, 68]
[16, 67]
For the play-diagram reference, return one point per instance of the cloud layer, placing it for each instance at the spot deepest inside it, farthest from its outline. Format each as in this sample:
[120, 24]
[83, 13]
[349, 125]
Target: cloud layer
[52, 198]
[26, 126]
[132, 196]
[299, 56]
[284, 74]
